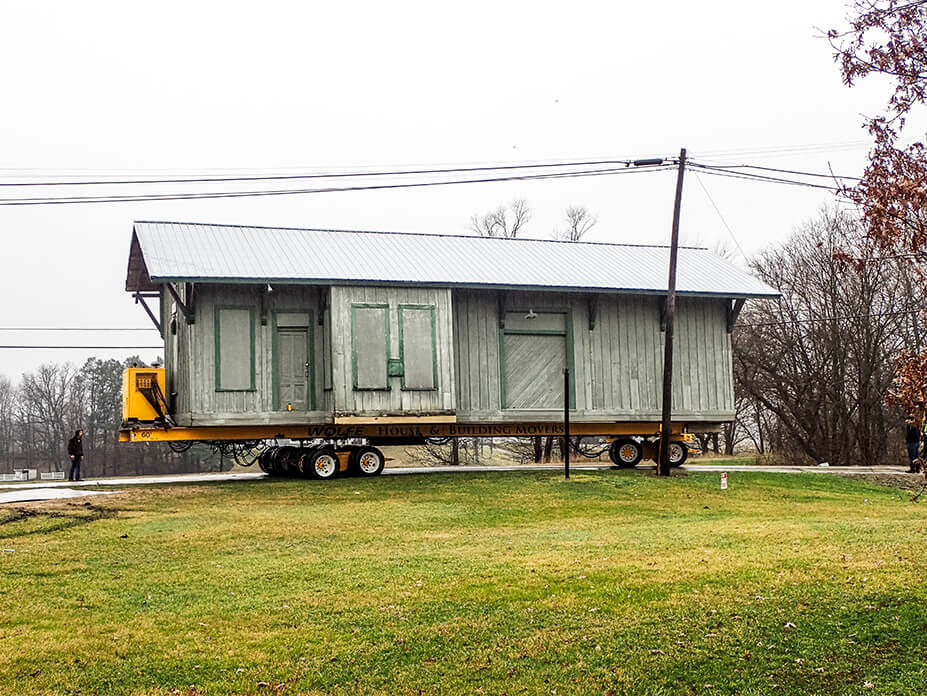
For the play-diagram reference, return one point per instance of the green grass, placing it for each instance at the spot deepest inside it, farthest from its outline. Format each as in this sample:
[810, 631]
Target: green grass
[612, 583]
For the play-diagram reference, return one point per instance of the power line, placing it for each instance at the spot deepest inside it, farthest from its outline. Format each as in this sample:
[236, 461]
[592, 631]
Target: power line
[787, 150]
[117, 198]
[42, 347]
[626, 166]
[83, 172]
[718, 211]
[713, 171]
[784, 171]
[322, 175]
[356, 170]
[74, 328]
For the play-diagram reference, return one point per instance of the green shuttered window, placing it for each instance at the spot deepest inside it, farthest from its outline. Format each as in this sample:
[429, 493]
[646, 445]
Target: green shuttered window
[234, 349]
[418, 347]
[370, 346]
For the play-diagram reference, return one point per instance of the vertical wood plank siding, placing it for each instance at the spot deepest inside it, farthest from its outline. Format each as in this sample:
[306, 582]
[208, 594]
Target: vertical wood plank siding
[198, 400]
[395, 400]
[618, 365]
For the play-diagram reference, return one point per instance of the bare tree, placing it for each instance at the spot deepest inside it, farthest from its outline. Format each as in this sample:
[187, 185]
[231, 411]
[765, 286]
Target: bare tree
[816, 366]
[47, 411]
[502, 222]
[578, 220]
[7, 431]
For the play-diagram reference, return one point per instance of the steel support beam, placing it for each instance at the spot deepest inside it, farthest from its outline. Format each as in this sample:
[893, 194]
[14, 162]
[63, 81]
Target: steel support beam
[140, 299]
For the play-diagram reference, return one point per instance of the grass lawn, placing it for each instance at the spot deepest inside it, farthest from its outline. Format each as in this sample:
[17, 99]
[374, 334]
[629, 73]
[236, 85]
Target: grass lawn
[615, 582]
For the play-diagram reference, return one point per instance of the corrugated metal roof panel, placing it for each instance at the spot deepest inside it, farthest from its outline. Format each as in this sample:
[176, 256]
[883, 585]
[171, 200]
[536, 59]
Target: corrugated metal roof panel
[174, 251]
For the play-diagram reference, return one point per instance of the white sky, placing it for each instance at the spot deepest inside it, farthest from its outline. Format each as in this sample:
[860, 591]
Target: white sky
[94, 88]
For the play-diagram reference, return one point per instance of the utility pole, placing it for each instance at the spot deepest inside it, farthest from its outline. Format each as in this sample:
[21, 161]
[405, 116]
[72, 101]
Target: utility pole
[663, 463]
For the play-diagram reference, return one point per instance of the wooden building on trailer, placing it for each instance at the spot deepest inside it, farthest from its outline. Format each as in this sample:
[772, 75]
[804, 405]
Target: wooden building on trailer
[274, 326]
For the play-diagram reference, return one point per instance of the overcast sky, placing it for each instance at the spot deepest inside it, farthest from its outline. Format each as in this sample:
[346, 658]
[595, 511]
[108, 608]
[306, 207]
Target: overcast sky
[93, 89]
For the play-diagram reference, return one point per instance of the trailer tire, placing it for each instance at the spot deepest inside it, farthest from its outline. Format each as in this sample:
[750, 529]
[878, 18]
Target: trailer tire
[277, 461]
[626, 452]
[287, 461]
[323, 464]
[265, 461]
[305, 461]
[367, 461]
[678, 453]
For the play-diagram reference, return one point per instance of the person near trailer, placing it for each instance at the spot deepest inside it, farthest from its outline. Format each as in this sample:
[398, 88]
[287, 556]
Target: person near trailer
[912, 438]
[76, 452]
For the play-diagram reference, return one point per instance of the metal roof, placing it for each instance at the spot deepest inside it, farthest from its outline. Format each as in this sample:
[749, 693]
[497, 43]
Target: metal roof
[194, 252]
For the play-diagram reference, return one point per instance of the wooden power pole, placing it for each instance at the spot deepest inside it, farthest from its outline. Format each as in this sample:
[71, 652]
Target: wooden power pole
[663, 463]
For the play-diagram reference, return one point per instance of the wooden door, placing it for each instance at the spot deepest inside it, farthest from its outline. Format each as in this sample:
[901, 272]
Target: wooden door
[293, 369]
[534, 371]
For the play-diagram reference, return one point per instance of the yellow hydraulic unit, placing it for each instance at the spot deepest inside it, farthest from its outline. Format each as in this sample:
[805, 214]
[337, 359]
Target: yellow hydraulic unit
[143, 395]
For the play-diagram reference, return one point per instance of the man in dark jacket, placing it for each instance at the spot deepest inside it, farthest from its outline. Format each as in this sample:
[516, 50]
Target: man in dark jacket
[912, 438]
[76, 451]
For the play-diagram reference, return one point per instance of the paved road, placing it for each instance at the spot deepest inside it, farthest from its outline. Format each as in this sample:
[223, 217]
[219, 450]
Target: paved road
[44, 490]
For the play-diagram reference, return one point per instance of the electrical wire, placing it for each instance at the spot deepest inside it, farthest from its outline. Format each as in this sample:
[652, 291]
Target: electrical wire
[780, 171]
[74, 328]
[116, 198]
[330, 175]
[44, 347]
[788, 150]
[353, 170]
[773, 151]
[759, 177]
[718, 211]
[626, 165]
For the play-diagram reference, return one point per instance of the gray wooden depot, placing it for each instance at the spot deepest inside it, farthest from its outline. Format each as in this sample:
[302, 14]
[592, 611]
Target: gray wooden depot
[267, 326]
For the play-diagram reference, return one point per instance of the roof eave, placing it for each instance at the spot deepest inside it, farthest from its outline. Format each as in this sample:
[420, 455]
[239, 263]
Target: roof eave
[155, 281]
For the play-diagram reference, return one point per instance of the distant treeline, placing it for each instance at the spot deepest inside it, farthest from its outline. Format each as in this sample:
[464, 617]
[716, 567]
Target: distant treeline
[40, 414]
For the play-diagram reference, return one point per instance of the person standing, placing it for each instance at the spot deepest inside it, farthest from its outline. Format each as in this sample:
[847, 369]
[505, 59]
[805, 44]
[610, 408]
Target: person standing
[76, 451]
[912, 438]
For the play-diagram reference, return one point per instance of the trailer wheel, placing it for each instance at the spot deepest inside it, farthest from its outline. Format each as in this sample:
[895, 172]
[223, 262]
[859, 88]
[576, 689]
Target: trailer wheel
[276, 461]
[626, 452]
[288, 461]
[367, 461]
[323, 464]
[678, 453]
[305, 461]
[265, 461]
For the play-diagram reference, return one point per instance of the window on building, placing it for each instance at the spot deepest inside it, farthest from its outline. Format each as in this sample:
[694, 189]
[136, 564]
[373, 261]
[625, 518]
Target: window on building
[234, 349]
[370, 346]
[417, 347]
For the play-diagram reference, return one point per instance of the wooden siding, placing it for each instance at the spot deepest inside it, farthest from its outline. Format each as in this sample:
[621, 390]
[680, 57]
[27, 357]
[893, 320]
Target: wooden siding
[394, 399]
[617, 366]
[198, 401]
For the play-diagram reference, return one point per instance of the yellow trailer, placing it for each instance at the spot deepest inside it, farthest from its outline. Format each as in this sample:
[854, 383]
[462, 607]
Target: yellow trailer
[146, 419]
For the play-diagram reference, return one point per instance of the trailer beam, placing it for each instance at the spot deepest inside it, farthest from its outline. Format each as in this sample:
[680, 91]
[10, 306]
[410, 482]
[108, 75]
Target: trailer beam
[152, 433]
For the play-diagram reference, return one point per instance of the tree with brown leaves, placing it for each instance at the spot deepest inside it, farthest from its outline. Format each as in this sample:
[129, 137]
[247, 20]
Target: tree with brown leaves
[888, 38]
